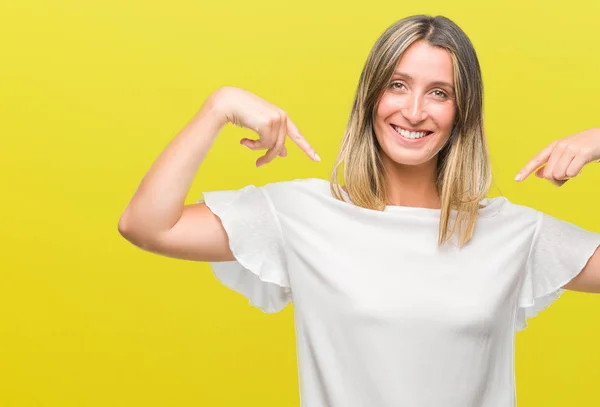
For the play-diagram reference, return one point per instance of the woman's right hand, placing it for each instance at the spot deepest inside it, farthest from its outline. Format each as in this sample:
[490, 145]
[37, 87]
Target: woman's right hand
[156, 218]
[272, 124]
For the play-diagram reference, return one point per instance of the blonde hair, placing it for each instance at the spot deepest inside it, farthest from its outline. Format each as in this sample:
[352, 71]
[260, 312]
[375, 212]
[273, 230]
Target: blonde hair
[463, 166]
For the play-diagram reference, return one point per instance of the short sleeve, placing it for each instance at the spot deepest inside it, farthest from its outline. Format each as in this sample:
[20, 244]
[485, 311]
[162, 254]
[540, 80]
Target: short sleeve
[559, 251]
[259, 272]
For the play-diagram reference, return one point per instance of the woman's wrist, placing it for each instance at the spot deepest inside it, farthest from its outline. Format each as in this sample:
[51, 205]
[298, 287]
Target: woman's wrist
[216, 107]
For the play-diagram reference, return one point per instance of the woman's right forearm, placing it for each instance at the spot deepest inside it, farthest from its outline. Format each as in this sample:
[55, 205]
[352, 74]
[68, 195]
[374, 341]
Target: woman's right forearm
[159, 199]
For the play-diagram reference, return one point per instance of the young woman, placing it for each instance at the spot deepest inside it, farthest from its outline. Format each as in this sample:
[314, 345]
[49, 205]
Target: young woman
[408, 284]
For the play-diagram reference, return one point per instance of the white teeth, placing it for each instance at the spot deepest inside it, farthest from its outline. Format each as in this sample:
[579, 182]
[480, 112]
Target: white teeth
[410, 134]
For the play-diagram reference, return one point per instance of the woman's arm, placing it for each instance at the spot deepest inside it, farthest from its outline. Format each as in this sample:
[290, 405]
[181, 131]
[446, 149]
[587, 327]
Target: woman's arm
[588, 280]
[156, 218]
[560, 161]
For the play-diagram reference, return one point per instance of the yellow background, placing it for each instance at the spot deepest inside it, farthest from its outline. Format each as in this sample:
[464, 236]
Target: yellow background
[91, 92]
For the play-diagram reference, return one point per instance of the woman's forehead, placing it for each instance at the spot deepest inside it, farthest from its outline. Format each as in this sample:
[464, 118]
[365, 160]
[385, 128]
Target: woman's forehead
[424, 62]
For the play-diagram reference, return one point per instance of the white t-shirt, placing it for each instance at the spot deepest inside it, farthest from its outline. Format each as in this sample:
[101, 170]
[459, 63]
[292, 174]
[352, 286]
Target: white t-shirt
[383, 317]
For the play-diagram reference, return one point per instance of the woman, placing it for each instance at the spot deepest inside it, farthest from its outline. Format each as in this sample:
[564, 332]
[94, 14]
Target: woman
[408, 284]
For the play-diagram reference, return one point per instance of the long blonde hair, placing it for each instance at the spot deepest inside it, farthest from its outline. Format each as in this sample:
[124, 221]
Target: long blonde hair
[463, 165]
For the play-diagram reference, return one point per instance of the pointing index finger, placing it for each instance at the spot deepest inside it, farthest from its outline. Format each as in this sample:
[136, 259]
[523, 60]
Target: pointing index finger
[536, 162]
[299, 139]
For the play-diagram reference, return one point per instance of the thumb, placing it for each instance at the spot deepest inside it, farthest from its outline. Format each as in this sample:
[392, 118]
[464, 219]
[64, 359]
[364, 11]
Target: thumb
[540, 172]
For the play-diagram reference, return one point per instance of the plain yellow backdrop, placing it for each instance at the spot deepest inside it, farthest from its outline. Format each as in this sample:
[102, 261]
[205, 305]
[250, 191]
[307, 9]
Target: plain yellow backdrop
[90, 94]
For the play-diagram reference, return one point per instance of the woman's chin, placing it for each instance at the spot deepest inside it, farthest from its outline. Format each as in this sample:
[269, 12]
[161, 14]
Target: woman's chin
[410, 158]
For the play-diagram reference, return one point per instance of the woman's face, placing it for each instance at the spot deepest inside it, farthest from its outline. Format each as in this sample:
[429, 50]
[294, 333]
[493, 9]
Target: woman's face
[416, 113]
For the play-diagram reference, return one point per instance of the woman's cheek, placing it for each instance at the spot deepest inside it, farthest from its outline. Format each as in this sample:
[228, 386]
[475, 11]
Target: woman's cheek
[387, 106]
[445, 113]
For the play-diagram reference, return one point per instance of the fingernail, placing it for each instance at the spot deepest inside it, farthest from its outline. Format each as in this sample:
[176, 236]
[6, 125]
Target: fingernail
[518, 177]
[316, 157]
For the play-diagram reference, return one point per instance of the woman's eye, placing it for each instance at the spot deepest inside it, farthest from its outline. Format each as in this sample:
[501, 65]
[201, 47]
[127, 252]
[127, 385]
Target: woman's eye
[439, 93]
[397, 85]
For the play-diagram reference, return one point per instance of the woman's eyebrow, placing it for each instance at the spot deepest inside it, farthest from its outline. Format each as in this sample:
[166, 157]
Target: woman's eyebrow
[436, 83]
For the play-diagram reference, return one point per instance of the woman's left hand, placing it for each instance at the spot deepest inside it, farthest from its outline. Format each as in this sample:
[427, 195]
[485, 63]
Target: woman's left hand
[564, 158]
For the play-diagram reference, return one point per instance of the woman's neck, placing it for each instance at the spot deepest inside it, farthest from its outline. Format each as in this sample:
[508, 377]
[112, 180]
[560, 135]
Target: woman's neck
[412, 185]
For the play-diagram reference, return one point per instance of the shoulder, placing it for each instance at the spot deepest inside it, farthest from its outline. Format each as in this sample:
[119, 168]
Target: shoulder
[512, 214]
[303, 188]
[302, 197]
[299, 184]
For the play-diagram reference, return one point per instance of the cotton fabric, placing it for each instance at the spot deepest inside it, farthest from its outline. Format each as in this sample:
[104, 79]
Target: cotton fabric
[383, 316]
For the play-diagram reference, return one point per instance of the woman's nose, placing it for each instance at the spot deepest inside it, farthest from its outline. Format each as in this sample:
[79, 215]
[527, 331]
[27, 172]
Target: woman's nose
[413, 111]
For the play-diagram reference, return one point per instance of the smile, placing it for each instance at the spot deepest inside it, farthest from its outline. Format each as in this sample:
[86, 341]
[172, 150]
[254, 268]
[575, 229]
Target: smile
[412, 135]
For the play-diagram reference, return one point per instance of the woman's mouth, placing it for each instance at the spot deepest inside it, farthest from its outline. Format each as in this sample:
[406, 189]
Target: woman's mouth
[411, 135]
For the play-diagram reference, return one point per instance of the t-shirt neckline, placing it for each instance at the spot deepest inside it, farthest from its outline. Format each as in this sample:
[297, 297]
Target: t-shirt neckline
[491, 206]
